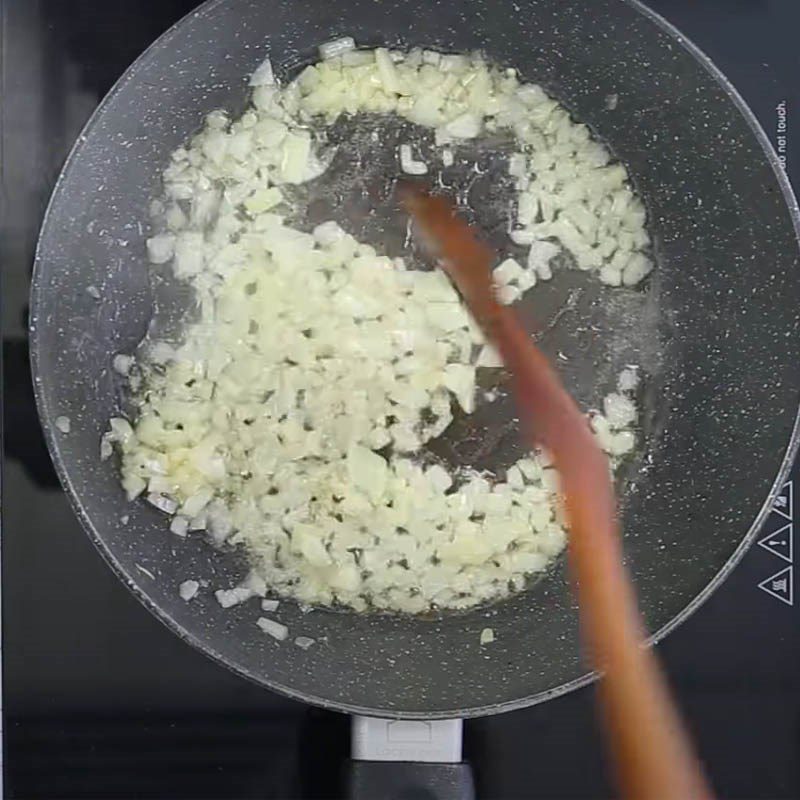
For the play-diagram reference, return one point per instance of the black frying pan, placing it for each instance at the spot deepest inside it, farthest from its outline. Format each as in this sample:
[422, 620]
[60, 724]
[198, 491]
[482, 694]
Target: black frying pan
[716, 327]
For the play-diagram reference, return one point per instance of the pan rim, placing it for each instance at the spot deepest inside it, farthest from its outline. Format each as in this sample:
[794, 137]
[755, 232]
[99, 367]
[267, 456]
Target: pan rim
[494, 708]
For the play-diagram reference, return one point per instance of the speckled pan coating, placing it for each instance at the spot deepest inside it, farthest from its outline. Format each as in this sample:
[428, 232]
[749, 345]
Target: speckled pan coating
[719, 423]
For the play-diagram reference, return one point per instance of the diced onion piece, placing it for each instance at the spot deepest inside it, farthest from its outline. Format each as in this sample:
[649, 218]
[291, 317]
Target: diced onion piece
[161, 248]
[628, 380]
[489, 358]
[439, 478]
[539, 257]
[295, 162]
[304, 642]
[487, 636]
[367, 471]
[228, 598]
[255, 584]
[162, 503]
[190, 252]
[263, 200]
[275, 629]
[196, 502]
[460, 380]
[120, 430]
[357, 58]
[328, 233]
[179, 526]
[263, 74]
[408, 164]
[133, 486]
[522, 236]
[465, 126]
[638, 268]
[387, 70]
[507, 272]
[514, 478]
[610, 276]
[619, 410]
[336, 47]
[188, 589]
[122, 363]
[621, 443]
[63, 424]
[508, 294]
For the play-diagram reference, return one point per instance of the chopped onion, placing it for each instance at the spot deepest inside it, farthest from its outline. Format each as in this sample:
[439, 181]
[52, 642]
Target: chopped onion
[539, 257]
[165, 504]
[336, 47]
[508, 272]
[628, 380]
[638, 268]
[465, 126]
[161, 248]
[610, 276]
[179, 526]
[63, 424]
[310, 352]
[263, 200]
[274, 629]
[522, 237]
[408, 164]
[228, 598]
[122, 363]
[489, 358]
[263, 74]
[188, 589]
[386, 70]
[508, 294]
[619, 410]
[367, 471]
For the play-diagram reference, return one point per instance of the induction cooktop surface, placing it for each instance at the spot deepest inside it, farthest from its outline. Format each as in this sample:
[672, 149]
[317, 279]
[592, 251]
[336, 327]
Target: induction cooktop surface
[100, 700]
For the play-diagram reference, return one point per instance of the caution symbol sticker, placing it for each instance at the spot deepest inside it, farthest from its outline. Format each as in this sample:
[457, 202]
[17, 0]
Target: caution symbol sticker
[780, 543]
[780, 586]
[783, 504]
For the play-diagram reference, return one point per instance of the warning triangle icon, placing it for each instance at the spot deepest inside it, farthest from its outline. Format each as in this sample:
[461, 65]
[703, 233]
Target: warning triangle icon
[783, 504]
[780, 543]
[780, 586]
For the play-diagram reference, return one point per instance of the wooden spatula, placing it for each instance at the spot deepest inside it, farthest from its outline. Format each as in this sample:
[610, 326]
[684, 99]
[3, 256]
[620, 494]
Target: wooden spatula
[650, 751]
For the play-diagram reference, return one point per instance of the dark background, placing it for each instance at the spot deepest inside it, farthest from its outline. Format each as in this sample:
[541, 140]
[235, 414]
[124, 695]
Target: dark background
[101, 701]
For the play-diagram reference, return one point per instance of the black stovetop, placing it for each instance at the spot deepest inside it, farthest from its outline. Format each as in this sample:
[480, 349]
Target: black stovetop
[102, 701]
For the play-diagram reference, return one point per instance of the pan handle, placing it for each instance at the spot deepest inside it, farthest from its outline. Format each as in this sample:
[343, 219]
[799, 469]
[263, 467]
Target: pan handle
[408, 760]
[404, 780]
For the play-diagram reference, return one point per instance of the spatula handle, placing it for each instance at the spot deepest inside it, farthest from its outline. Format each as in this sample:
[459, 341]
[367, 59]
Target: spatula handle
[650, 751]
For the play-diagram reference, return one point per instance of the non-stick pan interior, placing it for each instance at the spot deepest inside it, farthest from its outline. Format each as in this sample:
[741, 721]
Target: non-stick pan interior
[715, 331]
